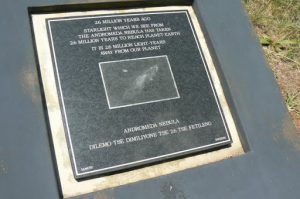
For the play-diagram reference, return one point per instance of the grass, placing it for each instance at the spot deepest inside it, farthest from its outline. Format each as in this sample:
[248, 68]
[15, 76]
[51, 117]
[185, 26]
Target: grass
[277, 24]
[291, 102]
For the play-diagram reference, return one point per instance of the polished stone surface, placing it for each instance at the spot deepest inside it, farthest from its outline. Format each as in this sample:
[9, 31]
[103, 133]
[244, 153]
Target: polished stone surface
[134, 90]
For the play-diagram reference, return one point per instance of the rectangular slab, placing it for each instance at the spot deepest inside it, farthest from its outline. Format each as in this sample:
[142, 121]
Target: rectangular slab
[130, 95]
[149, 68]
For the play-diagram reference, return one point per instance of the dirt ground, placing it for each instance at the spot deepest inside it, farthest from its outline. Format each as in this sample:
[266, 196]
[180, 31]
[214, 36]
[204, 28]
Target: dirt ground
[288, 79]
[277, 24]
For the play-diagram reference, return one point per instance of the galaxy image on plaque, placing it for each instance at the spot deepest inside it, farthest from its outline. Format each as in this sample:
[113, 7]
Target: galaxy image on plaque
[138, 81]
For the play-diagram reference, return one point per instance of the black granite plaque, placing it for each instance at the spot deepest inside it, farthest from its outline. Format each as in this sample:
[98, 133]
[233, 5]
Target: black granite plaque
[134, 89]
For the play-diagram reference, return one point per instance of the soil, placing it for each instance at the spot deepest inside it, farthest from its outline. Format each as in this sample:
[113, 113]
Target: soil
[287, 76]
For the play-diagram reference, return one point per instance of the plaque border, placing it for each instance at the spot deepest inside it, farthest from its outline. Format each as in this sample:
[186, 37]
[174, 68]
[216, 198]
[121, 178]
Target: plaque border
[69, 186]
